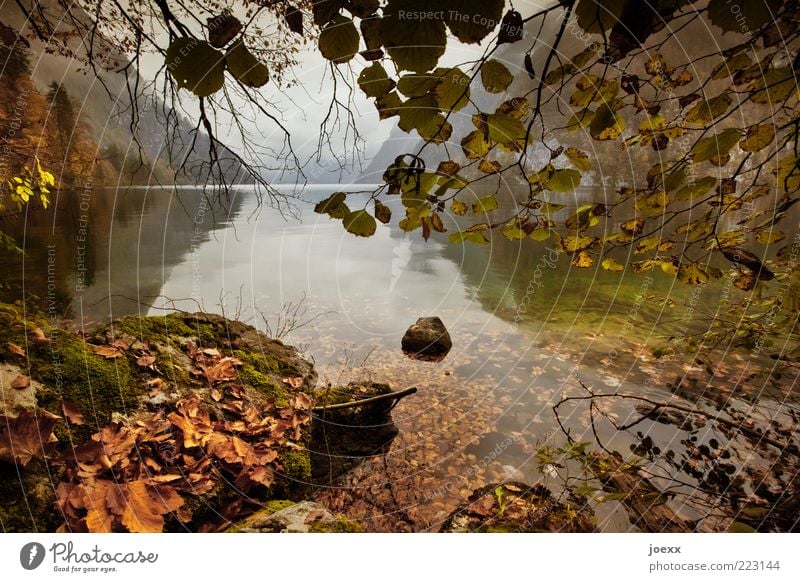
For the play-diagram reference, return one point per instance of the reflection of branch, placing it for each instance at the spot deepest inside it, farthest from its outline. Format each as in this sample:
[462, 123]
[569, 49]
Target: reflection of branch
[747, 431]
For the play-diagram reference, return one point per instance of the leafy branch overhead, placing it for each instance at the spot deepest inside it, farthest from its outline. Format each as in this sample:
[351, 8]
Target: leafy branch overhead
[708, 143]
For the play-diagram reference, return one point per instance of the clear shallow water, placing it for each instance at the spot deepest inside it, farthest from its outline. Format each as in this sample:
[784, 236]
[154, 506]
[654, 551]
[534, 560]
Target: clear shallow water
[142, 251]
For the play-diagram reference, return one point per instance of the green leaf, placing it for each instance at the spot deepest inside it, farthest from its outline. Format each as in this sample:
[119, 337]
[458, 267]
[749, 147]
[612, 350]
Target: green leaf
[610, 264]
[573, 244]
[374, 81]
[245, 67]
[338, 41]
[699, 188]
[540, 234]
[716, 146]
[458, 208]
[464, 235]
[768, 237]
[693, 274]
[746, 18]
[512, 231]
[486, 204]
[653, 204]
[495, 76]
[333, 205]
[505, 129]
[413, 43]
[580, 120]
[196, 65]
[758, 137]
[731, 66]
[606, 125]
[704, 112]
[565, 180]
[475, 145]
[578, 158]
[359, 223]
[325, 10]
[774, 86]
[595, 16]
[471, 21]
[452, 91]
[418, 113]
[388, 105]
[416, 85]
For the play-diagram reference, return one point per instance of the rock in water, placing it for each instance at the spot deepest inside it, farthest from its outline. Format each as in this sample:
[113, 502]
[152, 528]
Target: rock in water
[428, 338]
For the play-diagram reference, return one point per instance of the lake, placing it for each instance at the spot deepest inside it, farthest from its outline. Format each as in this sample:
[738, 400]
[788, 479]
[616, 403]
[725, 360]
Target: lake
[524, 324]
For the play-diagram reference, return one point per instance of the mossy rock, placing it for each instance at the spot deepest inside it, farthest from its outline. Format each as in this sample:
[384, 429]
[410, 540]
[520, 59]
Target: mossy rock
[65, 367]
[302, 517]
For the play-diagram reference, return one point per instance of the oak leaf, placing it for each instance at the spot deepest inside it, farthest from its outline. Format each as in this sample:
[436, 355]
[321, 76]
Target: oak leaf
[26, 436]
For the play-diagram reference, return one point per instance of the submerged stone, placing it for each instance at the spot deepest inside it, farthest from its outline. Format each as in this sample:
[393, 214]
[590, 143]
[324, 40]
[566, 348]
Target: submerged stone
[428, 338]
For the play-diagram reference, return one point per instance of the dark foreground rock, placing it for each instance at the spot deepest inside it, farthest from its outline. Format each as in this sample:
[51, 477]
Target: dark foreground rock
[342, 437]
[514, 507]
[427, 338]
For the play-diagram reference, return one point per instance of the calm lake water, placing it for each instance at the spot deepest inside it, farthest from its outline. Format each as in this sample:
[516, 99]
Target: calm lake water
[523, 325]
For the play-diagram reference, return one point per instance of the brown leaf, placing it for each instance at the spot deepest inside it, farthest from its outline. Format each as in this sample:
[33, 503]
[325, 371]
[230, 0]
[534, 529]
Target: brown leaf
[155, 386]
[27, 436]
[216, 395]
[15, 349]
[20, 382]
[294, 382]
[145, 360]
[109, 352]
[222, 371]
[38, 336]
[72, 413]
[483, 506]
[301, 401]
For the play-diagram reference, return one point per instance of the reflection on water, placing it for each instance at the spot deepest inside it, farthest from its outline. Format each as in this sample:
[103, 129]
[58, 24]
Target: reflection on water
[522, 323]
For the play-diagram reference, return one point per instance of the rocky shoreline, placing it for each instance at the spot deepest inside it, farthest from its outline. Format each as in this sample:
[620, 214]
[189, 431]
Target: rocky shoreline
[190, 422]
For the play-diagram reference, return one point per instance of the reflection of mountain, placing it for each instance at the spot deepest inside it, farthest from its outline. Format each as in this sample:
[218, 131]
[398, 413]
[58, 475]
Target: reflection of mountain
[111, 251]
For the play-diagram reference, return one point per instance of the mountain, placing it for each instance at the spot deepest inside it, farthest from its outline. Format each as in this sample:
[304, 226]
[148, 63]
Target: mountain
[101, 99]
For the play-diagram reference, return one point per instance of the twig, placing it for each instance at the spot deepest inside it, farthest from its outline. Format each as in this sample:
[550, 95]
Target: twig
[371, 400]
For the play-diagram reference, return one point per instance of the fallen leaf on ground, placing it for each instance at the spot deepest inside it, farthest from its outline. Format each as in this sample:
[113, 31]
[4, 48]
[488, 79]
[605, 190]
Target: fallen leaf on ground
[38, 336]
[294, 382]
[15, 349]
[20, 382]
[72, 413]
[109, 352]
[145, 360]
[27, 436]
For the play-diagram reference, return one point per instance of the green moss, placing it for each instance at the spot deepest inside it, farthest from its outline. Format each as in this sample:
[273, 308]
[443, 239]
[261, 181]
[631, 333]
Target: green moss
[27, 498]
[97, 386]
[163, 328]
[171, 369]
[333, 395]
[258, 362]
[341, 525]
[276, 505]
[296, 465]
